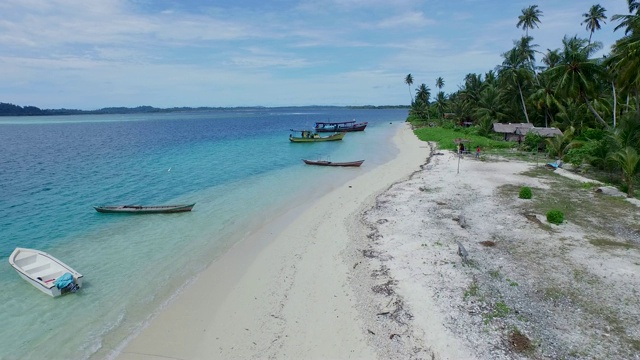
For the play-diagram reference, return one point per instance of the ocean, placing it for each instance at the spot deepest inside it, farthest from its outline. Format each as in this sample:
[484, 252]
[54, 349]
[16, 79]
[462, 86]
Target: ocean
[237, 165]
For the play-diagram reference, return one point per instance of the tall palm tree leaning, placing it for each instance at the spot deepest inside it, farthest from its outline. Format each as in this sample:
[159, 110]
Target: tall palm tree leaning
[529, 19]
[409, 81]
[593, 18]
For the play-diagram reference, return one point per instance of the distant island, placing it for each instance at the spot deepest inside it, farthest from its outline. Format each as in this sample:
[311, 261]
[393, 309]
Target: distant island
[15, 110]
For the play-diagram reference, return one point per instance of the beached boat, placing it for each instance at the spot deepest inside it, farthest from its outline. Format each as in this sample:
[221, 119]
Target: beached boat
[332, 163]
[310, 136]
[339, 126]
[137, 209]
[45, 272]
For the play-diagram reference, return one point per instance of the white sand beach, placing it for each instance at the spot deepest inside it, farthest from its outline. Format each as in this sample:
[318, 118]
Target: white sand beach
[372, 271]
[290, 300]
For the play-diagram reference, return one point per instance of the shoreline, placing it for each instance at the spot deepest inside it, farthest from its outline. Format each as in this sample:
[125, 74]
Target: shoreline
[293, 299]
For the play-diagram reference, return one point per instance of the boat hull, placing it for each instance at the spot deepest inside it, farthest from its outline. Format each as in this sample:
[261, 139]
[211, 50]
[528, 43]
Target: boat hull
[317, 138]
[134, 209]
[347, 128]
[331, 163]
[41, 270]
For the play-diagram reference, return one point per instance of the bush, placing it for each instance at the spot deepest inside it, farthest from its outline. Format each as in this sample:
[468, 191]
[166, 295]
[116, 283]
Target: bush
[525, 193]
[555, 217]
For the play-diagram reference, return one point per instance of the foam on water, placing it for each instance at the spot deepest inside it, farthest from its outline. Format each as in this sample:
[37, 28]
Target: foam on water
[240, 179]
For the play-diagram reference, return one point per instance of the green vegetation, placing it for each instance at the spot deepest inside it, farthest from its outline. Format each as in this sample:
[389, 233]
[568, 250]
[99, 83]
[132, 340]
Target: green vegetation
[525, 193]
[445, 138]
[555, 217]
[593, 99]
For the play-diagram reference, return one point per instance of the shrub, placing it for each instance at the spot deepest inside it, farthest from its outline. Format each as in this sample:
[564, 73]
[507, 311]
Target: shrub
[525, 192]
[555, 217]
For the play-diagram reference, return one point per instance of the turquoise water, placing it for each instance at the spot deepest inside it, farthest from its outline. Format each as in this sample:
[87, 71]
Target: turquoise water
[236, 165]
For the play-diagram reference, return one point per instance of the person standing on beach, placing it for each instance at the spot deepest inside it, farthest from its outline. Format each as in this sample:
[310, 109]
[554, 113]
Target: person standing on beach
[478, 152]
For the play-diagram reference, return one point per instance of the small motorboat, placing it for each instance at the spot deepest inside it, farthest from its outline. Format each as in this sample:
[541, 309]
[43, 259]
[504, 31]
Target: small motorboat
[333, 163]
[138, 209]
[45, 272]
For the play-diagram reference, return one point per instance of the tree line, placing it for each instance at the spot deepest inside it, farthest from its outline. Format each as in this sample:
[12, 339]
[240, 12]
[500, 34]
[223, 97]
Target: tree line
[594, 100]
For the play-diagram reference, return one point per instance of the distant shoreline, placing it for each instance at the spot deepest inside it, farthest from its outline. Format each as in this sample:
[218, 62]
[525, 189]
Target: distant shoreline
[15, 110]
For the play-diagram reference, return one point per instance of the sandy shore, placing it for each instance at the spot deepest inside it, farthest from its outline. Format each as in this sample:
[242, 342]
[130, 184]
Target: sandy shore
[374, 270]
[290, 300]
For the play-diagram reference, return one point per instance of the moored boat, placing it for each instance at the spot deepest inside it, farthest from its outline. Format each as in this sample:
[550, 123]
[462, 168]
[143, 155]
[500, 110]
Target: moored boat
[339, 126]
[332, 163]
[138, 209]
[45, 272]
[310, 136]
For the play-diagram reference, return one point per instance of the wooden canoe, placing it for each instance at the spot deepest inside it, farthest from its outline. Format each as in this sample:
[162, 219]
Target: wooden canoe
[332, 163]
[309, 136]
[137, 209]
[339, 126]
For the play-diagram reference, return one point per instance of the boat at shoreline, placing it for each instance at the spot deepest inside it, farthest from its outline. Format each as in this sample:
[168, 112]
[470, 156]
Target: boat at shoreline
[311, 136]
[138, 209]
[339, 126]
[332, 163]
[45, 272]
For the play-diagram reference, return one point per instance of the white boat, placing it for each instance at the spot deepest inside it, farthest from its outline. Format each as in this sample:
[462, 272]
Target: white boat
[48, 274]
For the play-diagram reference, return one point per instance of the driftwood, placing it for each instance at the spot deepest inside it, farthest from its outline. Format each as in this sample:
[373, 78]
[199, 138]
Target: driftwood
[462, 252]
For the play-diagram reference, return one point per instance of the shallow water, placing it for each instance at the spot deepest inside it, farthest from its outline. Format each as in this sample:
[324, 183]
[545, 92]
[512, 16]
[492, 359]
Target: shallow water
[236, 165]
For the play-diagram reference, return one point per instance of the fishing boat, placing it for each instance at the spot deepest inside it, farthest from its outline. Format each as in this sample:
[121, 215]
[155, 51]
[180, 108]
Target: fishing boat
[332, 163]
[138, 209]
[339, 126]
[45, 272]
[311, 136]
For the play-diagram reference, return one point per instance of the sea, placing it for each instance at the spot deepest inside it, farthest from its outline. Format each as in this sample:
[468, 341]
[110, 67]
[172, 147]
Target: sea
[236, 165]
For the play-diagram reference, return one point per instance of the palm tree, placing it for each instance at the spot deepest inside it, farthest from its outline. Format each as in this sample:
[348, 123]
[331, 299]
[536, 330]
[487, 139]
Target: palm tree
[441, 103]
[544, 98]
[577, 75]
[490, 109]
[409, 81]
[560, 144]
[439, 83]
[530, 17]
[629, 161]
[423, 93]
[551, 58]
[514, 71]
[593, 18]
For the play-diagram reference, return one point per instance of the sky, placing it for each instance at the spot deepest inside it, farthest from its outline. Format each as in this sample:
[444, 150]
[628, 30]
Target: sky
[90, 54]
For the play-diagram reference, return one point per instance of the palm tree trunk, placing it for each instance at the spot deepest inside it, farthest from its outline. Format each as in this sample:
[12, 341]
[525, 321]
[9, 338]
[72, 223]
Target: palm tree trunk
[595, 113]
[637, 100]
[524, 106]
[615, 101]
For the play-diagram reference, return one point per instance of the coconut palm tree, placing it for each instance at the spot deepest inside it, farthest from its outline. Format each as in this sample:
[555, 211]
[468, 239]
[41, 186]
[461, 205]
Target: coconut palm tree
[629, 161]
[577, 75]
[593, 18]
[530, 17]
[490, 109]
[441, 103]
[439, 83]
[514, 71]
[409, 81]
[551, 58]
[423, 93]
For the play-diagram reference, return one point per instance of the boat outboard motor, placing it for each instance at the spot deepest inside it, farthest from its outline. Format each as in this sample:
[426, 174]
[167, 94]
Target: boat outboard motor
[66, 283]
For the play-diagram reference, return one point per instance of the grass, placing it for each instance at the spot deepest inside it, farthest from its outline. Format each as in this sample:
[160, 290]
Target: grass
[576, 201]
[445, 139]
[472, 290]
